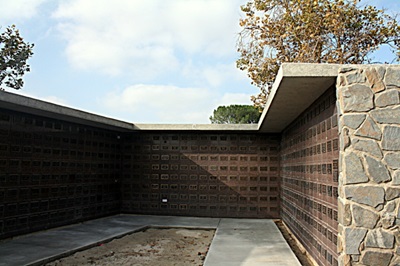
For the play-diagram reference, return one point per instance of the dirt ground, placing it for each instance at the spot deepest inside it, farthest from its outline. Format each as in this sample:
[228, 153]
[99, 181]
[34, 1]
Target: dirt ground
[165, 247]
[154, 246]
[300, 254]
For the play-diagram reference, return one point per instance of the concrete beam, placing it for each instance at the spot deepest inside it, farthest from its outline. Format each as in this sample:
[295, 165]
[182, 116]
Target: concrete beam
[197, 127]
[29, 105]
[296, 87]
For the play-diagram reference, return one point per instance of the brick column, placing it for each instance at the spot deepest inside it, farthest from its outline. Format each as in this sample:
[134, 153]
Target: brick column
[369, 163]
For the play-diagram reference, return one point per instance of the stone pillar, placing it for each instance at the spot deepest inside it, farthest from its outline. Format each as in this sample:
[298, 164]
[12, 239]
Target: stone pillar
[369, 163]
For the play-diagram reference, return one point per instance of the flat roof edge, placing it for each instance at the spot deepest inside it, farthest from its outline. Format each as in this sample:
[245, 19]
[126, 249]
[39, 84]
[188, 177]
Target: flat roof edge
[196, 127]
[289, 71]
[26, 104]
[310, 70]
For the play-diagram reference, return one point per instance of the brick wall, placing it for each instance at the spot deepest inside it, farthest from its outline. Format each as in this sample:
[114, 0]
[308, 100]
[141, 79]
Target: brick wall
[207, 174]
[309, 174]
[54, 173]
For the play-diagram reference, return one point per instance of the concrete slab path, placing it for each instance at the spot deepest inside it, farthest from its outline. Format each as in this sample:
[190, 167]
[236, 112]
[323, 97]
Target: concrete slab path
[249, 242]
[237, 241]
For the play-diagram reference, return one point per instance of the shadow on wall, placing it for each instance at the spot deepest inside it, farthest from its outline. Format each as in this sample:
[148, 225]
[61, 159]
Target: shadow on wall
[54, 173]
[212, 174]
[309, 161]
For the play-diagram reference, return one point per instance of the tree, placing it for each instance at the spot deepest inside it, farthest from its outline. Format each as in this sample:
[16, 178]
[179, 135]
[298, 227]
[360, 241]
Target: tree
[235, 114]
[14, 53]
[309, 31]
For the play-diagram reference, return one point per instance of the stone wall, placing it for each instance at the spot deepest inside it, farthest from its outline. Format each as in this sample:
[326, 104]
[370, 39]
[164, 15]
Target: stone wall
[55, 173]
[213, 174]
[309, 178]
[369, 194]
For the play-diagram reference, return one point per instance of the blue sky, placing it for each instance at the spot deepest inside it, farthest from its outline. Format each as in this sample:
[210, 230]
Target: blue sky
[142, 61]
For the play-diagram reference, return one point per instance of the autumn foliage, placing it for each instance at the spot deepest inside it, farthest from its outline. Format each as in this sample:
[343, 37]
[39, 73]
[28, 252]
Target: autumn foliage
[310, 31]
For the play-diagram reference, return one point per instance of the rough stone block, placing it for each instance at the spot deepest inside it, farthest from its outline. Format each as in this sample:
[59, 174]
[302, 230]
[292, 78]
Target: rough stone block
[386, 115]
[357, 98]
[388, 220]
[392, 193]
[344, 260]
[374, 258]
[398, 212]
[364, 217]
[369, 129]
[379, 239]
[391, 138]
[381, 70]
[353, 120]
[388, 98]
[353, 238]
[355, 257]
[374, 80]
[356, 77]
[396, 178]
[345, 139]
[346, 69]
[368, 195]
[392, 160]
[344, 213]
[392, 77]
[341, 81]
[368, 146]
[396, 260]
[377, 170]
[390, 206]
[354, 170]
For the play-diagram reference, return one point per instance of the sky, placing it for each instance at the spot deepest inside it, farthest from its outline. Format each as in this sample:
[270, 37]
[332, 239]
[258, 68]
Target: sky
[141, 61]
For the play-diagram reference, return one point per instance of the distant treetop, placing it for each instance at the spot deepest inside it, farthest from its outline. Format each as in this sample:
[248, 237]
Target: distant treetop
[235, 114]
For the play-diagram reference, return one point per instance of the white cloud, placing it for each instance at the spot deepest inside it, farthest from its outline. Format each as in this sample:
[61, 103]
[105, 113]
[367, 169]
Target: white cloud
[146, 38]
[204, 25]
[220, 74]
[168, 104]
[12, 11]
[215, 75]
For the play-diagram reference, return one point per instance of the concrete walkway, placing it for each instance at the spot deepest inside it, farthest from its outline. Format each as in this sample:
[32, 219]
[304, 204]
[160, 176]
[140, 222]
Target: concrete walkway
[249, 242]
[236, 242]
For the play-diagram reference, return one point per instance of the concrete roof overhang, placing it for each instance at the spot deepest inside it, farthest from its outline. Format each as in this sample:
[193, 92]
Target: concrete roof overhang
[296, 87]
[29, 105]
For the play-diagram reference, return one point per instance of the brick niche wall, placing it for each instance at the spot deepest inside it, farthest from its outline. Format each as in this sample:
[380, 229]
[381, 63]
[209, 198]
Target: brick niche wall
[309, 176]
[216, 174]
[54, 173]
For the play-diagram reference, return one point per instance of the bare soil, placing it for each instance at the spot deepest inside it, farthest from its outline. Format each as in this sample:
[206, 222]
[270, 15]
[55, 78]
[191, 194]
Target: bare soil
[154, 246]
[165, 247]
[298, 251]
